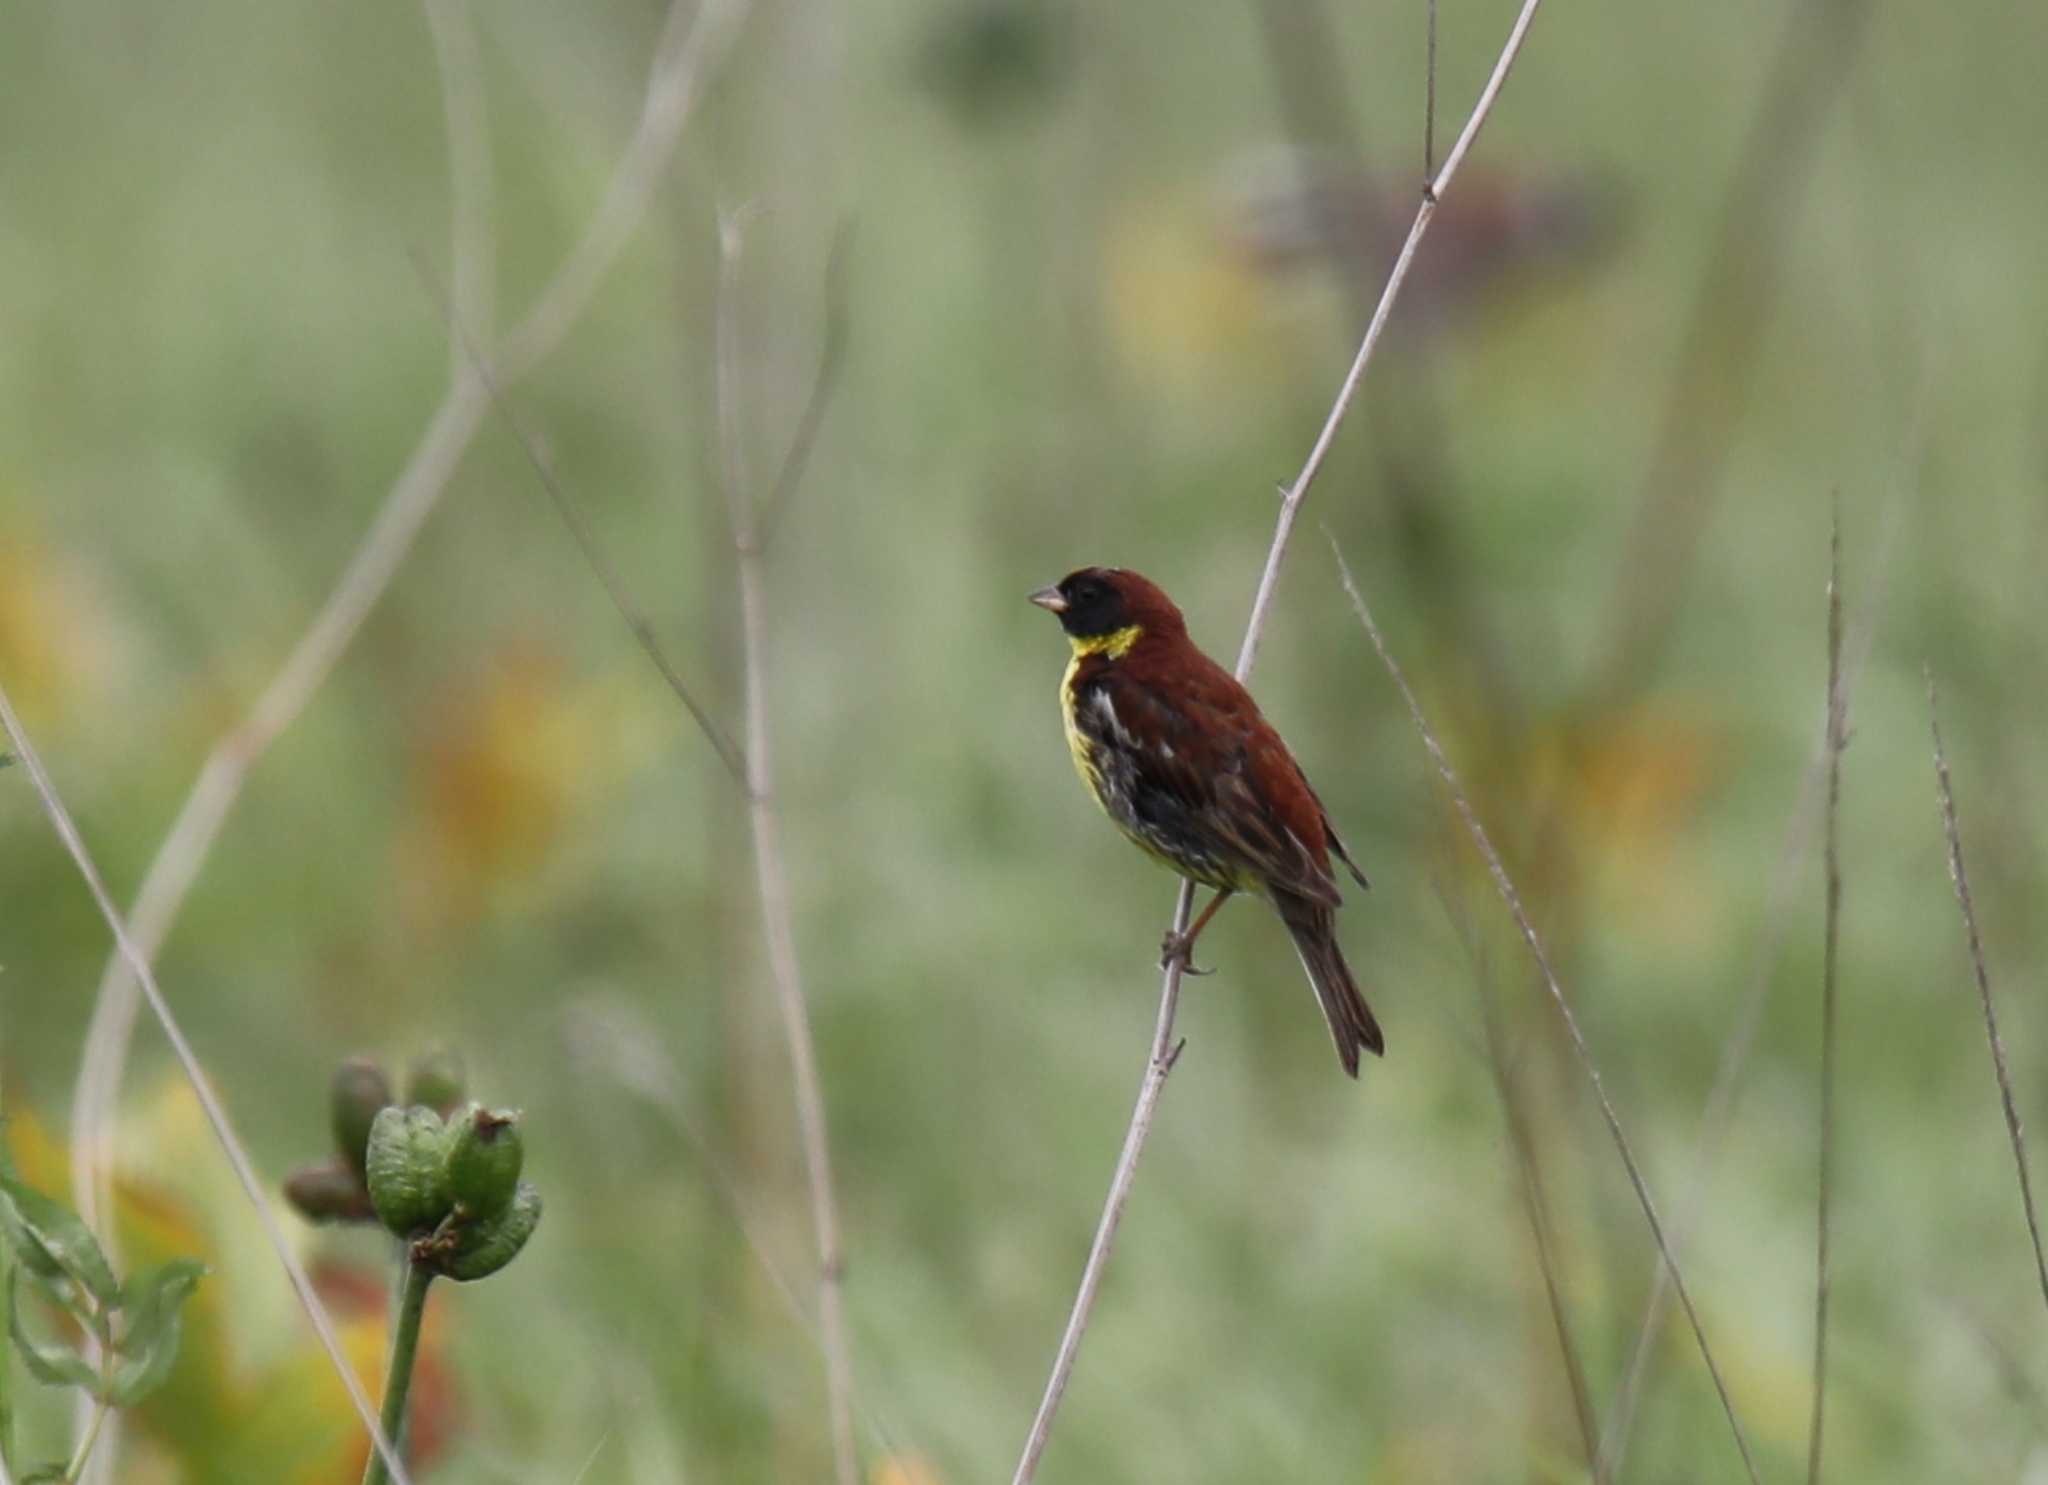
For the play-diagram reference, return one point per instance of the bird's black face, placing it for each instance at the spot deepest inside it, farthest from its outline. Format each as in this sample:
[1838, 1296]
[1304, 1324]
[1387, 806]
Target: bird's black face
[1088, 602]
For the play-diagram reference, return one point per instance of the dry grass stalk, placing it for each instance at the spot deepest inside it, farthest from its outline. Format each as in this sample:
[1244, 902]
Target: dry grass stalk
[1736, 1046]
[1968, 906]
[770, 867]
[1584, 1052]
[1837, 739]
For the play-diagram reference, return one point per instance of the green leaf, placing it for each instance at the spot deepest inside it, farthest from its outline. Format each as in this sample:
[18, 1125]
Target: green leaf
[152, 1303]
[51, 1363]
[59, 1292]
[145, 1370]
[45, 1474]
[50, 1240]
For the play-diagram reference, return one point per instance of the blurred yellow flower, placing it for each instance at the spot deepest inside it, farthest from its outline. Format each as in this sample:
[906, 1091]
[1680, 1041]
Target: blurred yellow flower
[903, 1469]
[53, 641]
[502, 760]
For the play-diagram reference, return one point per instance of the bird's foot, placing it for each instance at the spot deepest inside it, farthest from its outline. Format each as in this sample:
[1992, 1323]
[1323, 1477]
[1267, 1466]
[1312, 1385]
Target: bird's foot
[1180, 947]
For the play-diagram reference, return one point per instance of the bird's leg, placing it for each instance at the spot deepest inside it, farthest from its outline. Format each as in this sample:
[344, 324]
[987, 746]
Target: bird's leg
[1181, 946]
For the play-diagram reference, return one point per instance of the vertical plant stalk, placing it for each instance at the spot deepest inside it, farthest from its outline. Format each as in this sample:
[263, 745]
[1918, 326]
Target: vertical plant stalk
[1429, 100]
[87, 1438]
[1837, 739]
[1432, 193]
[656, 1083]
[1968, 906]
[209, 1101]
[1164, 1051]
[6, 1355]
[1790, 866]
[772, 873]
[1513, 899]
[473, 275]
[405, 1346]
[1543, 1235]
[691, 40]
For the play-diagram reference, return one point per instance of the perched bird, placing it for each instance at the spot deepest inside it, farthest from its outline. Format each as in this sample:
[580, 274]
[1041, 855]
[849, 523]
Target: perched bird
[1176, 753]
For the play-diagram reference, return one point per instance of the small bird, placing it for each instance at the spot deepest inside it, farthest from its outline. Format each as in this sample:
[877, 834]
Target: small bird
[1176, 753]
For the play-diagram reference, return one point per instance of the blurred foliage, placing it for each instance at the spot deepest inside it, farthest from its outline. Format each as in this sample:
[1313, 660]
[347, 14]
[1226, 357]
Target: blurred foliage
[252, 1396]
[1106, 276]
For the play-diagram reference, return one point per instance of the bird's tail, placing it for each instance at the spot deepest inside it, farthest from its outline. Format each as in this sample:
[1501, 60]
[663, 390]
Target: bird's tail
[1314, 929]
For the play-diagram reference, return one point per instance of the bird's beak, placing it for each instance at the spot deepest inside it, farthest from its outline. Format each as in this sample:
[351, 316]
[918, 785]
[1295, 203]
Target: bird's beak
[1050, 599]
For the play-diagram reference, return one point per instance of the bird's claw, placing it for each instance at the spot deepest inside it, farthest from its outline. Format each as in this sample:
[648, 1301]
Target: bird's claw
[1178, 947]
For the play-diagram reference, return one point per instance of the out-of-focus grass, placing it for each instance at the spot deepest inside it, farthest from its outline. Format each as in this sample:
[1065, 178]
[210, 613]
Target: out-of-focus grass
[215, 351]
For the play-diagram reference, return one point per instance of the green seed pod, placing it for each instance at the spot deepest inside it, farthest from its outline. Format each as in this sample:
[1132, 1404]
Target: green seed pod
[329, 1192]
[436, 1080]
[483, 1158]
[407, 1185]
[360, 1092]
[479, 1249]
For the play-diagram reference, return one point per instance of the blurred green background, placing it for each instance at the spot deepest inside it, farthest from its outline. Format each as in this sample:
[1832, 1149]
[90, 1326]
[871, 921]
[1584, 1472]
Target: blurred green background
[1708, 268]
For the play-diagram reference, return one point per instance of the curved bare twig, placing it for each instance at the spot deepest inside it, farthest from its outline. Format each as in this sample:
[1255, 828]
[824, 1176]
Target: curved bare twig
[686, 49]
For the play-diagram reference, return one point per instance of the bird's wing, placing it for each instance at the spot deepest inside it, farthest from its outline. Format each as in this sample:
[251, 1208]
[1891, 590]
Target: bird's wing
[1343, 853]
[1209, 768]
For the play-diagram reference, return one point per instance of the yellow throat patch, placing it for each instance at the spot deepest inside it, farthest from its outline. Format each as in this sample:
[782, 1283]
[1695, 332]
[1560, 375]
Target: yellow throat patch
[1114, 646]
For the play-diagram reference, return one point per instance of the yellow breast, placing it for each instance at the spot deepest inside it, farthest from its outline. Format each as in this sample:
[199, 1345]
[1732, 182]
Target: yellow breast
[1114, 646]
[1078, 742]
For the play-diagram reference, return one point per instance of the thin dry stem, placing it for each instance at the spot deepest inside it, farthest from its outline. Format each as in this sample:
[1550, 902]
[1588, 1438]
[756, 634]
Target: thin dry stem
[1291, 504]
[1735, 1048]
[209, 1102]
[1837, 739]
[831, 357]
[772, 873]
[742, 769]
[690, 41]
[1968, 905]
[612, 1034]
[1165, 1051]
[473, 285]
[591, 1458]
[1536, 1206]
[1584, 1052]
[1429, 100]
[674, 84]
[615, 1042]
[593, 553]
